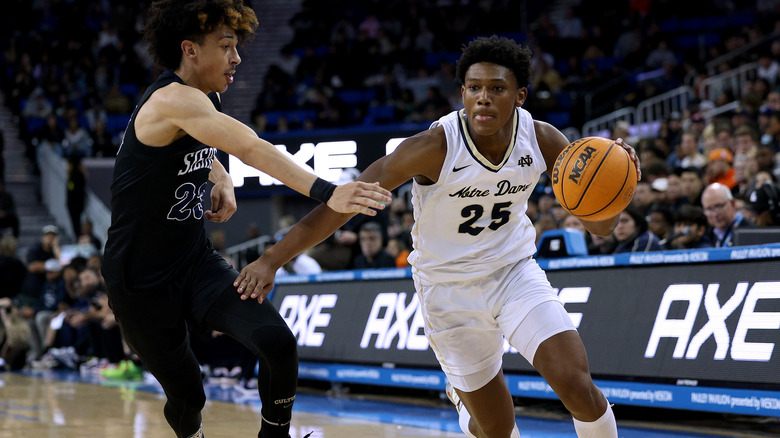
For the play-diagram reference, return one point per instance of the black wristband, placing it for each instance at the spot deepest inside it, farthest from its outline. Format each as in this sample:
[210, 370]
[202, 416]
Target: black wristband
[321, 190]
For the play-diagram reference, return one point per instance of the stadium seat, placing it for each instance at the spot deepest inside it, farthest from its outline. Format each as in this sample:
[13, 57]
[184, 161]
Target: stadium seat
[562, 242]
[129, 89]
[116, 123]
[559, 119]
[34, 123]
[381, 113]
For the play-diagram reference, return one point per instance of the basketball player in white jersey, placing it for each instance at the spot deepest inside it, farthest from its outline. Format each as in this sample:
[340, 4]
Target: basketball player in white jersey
[472, 264]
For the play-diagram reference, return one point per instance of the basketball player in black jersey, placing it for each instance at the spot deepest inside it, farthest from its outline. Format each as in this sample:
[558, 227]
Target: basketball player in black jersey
[472, 263]
[161, 270]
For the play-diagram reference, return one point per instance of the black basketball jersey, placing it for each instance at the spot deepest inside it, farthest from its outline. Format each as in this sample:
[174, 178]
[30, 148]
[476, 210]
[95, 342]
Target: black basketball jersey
[157, 205]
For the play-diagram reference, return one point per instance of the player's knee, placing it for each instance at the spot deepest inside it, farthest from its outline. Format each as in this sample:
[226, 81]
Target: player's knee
[582, 397]
[277, 344]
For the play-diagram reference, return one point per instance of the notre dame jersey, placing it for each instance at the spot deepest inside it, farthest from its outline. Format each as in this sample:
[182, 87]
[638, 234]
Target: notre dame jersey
[157, 207]
[472, 221]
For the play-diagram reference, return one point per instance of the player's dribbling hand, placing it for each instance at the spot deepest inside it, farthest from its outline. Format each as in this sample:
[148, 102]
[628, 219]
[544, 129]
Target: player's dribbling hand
[359, 197]
[632, 154]
[256, 280]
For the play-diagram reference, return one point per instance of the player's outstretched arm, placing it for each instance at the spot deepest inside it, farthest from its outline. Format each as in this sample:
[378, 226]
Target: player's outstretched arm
[191, 111]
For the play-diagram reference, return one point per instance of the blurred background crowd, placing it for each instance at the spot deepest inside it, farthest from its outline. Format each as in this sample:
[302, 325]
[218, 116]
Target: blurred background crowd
[73, 70]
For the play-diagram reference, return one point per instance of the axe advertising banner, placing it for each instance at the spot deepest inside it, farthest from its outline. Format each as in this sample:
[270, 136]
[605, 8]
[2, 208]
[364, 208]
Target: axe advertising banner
[714, 323]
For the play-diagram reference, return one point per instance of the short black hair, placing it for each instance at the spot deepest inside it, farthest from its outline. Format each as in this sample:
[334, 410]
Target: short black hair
[639, 218]
[690, 214]
[690, 169]
[496, 50]
[170, 22]
[664, 212]
[372, 227]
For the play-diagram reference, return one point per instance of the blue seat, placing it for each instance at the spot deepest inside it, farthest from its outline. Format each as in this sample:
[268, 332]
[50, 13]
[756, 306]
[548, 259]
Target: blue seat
[433, 60]
[272, 117]
[559, 119]
[564, 100]
[692, 24]
[116, 123]
[693, 41]
[671, 25]
[354, 97]
[561, 242]
[34, 123]
[298, 116]
[382, 112]
[129, 89]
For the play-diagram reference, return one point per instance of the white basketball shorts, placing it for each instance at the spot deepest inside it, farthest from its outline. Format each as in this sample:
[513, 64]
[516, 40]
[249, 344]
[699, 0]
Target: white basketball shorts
[466, 322]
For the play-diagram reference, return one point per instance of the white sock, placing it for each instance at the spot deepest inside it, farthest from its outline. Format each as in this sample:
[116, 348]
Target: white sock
[463, 420]
[515, 433]
[604, 427]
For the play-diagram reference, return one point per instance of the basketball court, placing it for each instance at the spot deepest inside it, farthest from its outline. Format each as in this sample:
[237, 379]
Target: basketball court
[65, 404]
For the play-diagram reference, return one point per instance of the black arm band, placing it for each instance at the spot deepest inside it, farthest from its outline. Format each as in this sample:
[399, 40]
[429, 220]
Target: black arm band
[321, 190]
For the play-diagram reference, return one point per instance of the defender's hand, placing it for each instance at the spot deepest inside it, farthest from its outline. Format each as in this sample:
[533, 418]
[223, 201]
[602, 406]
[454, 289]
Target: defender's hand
[359, 197]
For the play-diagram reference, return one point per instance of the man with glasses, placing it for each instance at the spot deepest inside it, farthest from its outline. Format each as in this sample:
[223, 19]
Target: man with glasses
[722, 214]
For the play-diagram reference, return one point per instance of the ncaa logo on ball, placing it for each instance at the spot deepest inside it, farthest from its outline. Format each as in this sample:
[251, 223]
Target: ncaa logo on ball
[581, 164]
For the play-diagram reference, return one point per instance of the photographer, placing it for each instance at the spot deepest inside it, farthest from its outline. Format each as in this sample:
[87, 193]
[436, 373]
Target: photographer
[88, 328]
[765, 202]
[93, 322]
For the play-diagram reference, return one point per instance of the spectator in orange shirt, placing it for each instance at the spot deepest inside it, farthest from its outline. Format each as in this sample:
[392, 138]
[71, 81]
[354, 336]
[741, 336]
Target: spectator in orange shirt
[719, 168]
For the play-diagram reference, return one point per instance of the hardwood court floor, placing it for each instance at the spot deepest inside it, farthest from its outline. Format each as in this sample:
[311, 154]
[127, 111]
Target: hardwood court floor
[65, 404]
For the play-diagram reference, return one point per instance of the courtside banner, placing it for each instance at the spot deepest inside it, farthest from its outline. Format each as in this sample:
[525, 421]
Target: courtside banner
[365, 321]
[714, 323]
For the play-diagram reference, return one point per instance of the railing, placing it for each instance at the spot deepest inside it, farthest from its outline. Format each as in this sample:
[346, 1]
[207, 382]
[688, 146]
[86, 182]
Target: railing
[645, 117]
[734, 80]
[660, 107]
[607, 122]
[54, 187]
[709, 114]
[712, 65]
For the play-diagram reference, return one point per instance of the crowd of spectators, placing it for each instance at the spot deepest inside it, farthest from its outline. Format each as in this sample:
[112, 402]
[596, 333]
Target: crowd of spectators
[707, 180]
[392, 62]
[362, 63]
[58, 293]
[73, 70]
[72, 73]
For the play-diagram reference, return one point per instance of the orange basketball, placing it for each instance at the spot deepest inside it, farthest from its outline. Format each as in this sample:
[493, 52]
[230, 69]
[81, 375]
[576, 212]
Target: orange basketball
[594, 178]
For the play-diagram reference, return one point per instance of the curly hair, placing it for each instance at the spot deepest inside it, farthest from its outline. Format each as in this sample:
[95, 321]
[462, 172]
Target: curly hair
[169, 22]
[496, 50]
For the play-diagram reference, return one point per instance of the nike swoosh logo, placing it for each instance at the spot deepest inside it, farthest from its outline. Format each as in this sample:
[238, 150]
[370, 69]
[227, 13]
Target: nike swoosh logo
[458, 169]
[287, 406]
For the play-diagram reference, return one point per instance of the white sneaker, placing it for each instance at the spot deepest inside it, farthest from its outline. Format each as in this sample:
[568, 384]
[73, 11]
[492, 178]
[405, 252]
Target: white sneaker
[453, 396]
